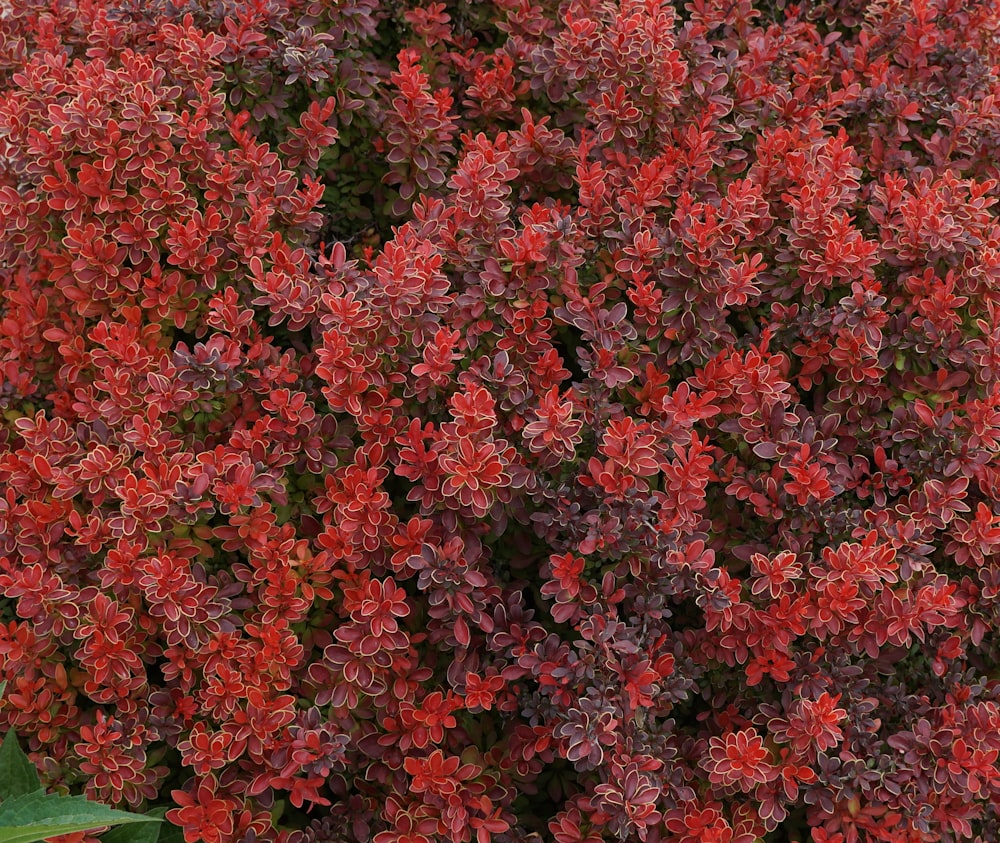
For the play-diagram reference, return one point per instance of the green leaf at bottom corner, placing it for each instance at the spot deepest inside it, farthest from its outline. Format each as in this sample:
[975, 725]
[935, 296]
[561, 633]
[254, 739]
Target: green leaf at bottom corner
[18, 776]
[148, 833]
[145, 833]
[169, 833]
[38, 816]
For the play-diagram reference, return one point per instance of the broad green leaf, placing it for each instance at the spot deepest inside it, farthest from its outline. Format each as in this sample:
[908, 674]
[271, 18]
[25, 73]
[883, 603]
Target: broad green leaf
[38, 816]
[169, 833]
[145, 833]
[18, 775]
[162, 833]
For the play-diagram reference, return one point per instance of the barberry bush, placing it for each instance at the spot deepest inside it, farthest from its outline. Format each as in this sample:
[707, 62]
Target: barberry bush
[504, 421]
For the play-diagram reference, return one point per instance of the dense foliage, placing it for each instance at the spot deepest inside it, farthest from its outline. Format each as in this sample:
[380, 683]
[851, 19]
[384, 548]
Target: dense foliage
[503, 421]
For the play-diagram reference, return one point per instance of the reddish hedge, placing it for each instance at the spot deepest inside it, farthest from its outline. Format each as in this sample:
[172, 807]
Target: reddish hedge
[505, 420]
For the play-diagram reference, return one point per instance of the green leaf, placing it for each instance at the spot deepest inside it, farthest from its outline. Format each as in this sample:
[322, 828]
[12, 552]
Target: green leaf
[169, 833]
[18, 775]
[165, 832]
[146, 833]
[38, 816]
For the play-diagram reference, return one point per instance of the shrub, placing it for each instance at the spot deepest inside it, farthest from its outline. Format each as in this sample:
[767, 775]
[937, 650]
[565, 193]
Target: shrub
[449, 422]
